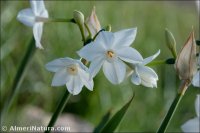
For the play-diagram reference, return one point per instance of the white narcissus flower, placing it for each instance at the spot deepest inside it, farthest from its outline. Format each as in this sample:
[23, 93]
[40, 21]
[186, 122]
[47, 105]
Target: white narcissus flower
[30, 17]
[70, 72]
[110, 50]
[145, 75]
[192, 125]
[196, 78]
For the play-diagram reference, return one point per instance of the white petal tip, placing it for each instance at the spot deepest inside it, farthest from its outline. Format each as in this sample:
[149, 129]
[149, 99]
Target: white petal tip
[39, 46]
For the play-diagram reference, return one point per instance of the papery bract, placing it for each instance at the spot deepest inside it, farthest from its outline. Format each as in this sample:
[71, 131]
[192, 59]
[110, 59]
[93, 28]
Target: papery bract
[186, 63]
[70, 72]
[93, 24]
[31, 17]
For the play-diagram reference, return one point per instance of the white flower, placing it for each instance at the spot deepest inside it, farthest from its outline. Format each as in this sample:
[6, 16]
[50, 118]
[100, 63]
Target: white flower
[192, 125]
[30, 17]
[110, 50]
[70, 72]
[145, 75]
[196, 78]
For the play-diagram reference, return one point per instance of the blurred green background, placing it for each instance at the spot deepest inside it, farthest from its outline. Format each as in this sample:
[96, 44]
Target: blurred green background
[63, 39]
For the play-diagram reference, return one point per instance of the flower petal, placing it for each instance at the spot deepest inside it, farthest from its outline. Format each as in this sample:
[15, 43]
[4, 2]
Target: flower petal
[146, 72]
[191, 126]
[148, 76]
[196, 79]
[27, 17]
[135, 79]
[129, 54]
[85, 78]
[105, 39]
[91, 51]
[58, 64]
[197, 105]
[60, 78]
[95, 66]
[149, 82]
[125, 37]
[44, 14]
[74, 85]
[114, 71]
[149, 59]
[37, 32]
[198, 5]
[37, 6]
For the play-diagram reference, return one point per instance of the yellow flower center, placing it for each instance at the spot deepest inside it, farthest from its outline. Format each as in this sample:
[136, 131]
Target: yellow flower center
[110, 54]
[72, 69]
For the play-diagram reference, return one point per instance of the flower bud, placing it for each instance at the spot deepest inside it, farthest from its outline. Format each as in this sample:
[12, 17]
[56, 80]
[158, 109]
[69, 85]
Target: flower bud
[108, 28]
[93, 24]
[186, 63]
[78, 17]
[171, 42]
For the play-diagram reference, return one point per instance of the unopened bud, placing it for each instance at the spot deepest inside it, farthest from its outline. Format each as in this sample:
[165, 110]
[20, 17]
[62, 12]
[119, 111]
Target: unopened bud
[78, 17]
[171, 42]
[93, 24]
[186, 62]
[108, 28]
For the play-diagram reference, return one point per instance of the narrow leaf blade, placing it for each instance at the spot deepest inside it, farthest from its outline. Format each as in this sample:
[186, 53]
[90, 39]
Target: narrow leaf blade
[116, 119]
[103, 122]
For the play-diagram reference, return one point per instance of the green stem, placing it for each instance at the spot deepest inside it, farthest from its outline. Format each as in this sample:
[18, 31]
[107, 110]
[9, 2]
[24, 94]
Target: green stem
[160, 62]
[88, 29]
[82, 32]
[19, 77]
[173, 107]
[157, 62]
[46, 20]
[58, 111]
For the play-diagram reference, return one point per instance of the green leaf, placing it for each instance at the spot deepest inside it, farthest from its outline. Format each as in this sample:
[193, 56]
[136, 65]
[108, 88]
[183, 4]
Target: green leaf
[103, 122]
[116, 119]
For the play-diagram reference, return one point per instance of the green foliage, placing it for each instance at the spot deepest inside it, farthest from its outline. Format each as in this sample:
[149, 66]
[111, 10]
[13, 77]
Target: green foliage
[103, 122]
[116, 119]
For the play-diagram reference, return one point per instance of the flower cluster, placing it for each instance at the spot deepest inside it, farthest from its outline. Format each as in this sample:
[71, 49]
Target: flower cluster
[111, 51]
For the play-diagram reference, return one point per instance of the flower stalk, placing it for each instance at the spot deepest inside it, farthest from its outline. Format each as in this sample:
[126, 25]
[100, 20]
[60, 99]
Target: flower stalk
[47, 20]
[173, 107]
[169, 61]
[67, 95]
[58, 111]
